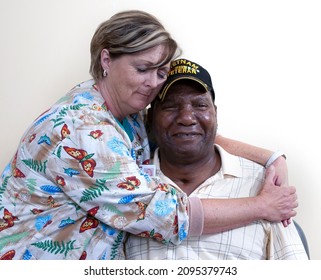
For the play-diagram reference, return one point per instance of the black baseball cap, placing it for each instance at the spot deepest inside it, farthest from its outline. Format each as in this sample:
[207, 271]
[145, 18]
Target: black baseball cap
[181, 69]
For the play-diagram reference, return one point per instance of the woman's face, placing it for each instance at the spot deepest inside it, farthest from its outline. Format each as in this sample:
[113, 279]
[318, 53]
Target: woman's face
[132, 81]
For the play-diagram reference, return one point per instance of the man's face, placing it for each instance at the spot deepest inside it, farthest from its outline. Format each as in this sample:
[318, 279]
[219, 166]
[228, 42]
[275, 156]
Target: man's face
[185, 122]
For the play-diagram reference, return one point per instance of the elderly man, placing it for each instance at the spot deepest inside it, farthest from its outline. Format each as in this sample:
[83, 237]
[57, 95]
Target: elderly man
[184, 123]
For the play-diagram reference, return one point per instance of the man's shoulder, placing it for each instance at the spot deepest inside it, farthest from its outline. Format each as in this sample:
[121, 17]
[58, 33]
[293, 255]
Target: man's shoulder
[240, 166]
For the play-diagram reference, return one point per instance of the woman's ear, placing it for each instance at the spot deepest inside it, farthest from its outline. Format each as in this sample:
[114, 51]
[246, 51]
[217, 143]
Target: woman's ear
[105, 59]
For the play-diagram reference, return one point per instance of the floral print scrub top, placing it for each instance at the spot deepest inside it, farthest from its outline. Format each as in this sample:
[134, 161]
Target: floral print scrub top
[74, 188]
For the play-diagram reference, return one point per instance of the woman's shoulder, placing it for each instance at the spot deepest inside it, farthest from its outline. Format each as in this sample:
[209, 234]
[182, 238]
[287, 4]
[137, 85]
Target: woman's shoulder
[82, 94]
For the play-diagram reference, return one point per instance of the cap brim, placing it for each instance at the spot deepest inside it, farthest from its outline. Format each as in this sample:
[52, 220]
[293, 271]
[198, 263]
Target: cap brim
[169, 83]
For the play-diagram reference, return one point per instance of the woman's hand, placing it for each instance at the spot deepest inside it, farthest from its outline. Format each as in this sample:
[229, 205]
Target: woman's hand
[279, 203]
[281, 171]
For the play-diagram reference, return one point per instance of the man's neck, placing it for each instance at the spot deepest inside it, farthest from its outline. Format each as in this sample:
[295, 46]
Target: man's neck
[188, 176]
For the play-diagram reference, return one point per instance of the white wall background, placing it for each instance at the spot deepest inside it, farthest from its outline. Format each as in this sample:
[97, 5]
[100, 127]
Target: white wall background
[264, 57]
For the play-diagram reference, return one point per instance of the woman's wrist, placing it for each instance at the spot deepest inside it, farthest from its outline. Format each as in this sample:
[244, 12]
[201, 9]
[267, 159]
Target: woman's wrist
[274, 157]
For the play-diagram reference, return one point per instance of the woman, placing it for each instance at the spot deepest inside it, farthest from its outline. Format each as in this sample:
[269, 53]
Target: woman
[75, 185]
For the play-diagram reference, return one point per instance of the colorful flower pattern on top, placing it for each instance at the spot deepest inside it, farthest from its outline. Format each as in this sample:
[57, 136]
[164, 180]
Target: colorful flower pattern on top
[74, 188]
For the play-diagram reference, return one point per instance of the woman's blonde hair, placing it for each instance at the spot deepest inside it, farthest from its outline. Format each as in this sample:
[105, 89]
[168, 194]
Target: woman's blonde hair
[129, 32]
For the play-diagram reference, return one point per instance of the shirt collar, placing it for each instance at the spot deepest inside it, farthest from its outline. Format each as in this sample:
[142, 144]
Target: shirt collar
[230, 164]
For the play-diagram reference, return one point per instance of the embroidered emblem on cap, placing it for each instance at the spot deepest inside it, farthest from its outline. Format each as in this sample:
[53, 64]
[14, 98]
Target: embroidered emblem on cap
[186, 69]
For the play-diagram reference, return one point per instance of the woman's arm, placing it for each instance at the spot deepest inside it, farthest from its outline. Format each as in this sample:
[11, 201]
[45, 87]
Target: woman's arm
[241, 149]
[272, 203]
[260, 155]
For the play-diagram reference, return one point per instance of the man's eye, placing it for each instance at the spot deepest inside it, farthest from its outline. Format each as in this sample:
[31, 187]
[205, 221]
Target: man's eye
[201, 106]
[168, 106]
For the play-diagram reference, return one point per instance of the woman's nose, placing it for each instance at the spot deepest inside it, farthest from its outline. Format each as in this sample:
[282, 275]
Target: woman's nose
[153, 80]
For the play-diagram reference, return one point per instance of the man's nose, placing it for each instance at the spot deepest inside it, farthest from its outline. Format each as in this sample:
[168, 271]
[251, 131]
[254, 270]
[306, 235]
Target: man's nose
[186, 116]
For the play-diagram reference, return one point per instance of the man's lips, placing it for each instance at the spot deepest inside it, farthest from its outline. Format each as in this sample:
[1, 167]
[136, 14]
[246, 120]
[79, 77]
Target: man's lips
[186, 134]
